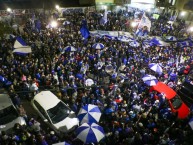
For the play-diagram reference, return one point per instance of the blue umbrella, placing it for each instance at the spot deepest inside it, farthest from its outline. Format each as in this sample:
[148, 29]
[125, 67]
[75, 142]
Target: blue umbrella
[69, 49]
[98, 46]
[90, 133]
[156, 67]
[89, 114]
[170, 38]
[61, 143]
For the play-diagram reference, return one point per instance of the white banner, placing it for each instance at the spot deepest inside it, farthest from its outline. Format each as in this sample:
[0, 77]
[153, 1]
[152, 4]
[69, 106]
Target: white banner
[110, 33]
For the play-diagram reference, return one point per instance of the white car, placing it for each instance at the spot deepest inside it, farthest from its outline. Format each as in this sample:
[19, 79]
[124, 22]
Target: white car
[54, 112]
[9, 115]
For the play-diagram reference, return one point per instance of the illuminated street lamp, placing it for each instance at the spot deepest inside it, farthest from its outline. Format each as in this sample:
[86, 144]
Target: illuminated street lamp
[57, 7]
[8, 9]
[183, 13]
[191, 29]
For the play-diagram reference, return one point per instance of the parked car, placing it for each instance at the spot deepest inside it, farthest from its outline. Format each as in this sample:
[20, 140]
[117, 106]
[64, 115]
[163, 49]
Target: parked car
[175, 102]
[9, 115]
[186, 93]
[54, 112]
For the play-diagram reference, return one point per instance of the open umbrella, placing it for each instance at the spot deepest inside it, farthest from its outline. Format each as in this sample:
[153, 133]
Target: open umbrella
[89, 114]
[156, 67]
[61, 143]
[98, 46]
[69, 49]
[90, 133]
[89, 82]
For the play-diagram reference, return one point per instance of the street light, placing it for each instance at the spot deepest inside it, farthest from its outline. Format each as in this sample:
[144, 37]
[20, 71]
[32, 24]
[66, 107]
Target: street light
[191, 29]
[8, 10]
[57, 7]
[183, 13]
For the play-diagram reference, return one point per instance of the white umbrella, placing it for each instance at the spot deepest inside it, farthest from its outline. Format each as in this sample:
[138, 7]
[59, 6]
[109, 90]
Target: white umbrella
[89, 82]
[89, 114]
[98, 46]
[156, 67]
[90, 133]
[69, 49]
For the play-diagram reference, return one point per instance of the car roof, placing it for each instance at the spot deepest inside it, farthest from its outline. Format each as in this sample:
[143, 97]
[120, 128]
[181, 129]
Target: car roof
[183, 111]
[46, 99]
[163, 88]
[188, 86]
[5, 101]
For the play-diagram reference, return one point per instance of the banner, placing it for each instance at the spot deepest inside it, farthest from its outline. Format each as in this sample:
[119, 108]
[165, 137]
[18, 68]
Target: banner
[113, 34]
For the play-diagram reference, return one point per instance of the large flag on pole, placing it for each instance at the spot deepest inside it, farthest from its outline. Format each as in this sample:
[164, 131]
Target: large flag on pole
[84, 30]
[145, 22]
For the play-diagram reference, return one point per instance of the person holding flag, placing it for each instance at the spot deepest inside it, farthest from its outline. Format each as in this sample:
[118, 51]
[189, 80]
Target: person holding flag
[84, 30]
[144, 26]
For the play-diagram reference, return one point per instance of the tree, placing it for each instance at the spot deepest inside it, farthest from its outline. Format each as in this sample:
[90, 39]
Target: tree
[5, 29]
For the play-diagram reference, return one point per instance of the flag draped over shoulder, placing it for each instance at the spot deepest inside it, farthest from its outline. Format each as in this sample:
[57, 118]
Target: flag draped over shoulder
[145, 22]
[21, 46]
[84, 30]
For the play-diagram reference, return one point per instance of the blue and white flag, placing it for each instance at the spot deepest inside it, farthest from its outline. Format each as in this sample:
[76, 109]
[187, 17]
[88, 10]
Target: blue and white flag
[21, 46]
[84, 30]
[104, 20]
[145, 21]
[19, 42]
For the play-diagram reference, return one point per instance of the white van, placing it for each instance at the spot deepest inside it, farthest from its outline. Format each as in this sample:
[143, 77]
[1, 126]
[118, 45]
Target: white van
[9, 115]
[54, 112]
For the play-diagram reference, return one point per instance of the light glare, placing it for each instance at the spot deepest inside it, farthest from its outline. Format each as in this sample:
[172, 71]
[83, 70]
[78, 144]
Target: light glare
[54, 24]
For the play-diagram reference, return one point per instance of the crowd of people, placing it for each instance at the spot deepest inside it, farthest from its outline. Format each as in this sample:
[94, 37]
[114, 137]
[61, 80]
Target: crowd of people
[131, 115]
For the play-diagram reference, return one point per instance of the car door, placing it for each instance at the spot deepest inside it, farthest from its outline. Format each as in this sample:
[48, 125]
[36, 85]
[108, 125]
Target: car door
[42, 112]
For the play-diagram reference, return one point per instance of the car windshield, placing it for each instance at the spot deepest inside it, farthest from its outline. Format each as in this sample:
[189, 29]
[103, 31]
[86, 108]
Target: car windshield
[7, 115]
[176, 102]
[58, 113]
